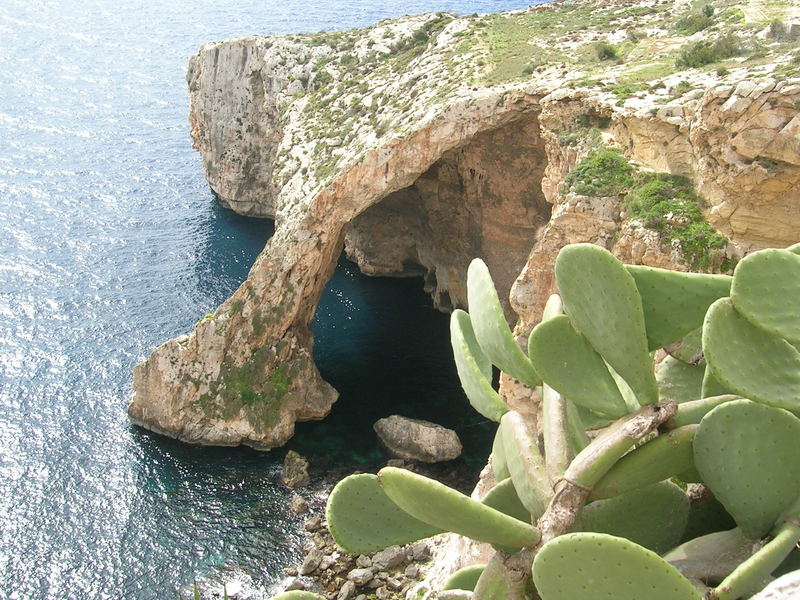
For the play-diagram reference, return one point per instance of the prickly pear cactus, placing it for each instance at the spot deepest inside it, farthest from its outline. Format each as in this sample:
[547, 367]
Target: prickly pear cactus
[361, 518]
[503, 497]
[604, 305]
[666, 456]
[597, 566]
[491, 328]
[679, 381]
[654, 517]
[747, 455]
[474, 369]
[440, 506]
[568, 363]
[766, 291]
[464, 579]
[675, 303]
[749, 361]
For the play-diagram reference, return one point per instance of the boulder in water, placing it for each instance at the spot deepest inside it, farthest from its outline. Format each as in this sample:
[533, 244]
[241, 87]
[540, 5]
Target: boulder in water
[412, 439]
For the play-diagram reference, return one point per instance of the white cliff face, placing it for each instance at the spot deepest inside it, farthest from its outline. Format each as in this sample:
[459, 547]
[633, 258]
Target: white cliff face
[420, 143]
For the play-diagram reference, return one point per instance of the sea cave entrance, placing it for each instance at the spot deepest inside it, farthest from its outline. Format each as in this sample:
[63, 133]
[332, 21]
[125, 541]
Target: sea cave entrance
[380, 340]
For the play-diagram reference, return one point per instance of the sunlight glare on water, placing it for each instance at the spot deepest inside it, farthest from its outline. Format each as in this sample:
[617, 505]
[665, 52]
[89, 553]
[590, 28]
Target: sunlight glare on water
[111, 243]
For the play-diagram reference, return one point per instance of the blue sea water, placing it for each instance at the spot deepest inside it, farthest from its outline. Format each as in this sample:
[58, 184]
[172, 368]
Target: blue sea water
[110, 243]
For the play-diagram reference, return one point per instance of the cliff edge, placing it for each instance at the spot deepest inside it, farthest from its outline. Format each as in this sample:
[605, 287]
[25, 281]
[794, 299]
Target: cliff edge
[420, 143]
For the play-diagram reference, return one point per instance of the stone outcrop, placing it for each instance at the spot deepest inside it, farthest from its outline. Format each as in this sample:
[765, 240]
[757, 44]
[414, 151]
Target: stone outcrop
[413, 439]
[418, 144]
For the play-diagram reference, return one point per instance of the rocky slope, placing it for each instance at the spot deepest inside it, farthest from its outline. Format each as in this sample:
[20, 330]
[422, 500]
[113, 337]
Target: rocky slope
[420, 143]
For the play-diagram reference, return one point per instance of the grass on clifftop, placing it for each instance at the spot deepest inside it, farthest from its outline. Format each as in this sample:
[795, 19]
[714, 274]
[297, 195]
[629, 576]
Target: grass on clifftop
[663, 202]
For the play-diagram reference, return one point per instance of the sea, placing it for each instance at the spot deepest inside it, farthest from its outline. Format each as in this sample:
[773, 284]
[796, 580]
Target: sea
[110, 243]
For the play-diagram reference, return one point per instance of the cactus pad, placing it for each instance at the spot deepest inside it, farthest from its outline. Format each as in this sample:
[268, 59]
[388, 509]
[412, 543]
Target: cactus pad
[298, 595]
[491, 328]
[749, 361]
[766, 291]
[661, 458]
[654, 516]
[604, 305]
[464, 579]
[679, 381]
[597, 566]
[689, 349]
[711, 386]
[443, 507]
[747, 455]
[499, 467]
[568, 363]
[474, 369]
[525, 463]
[363, 519]
[675, 303]
[503, 497]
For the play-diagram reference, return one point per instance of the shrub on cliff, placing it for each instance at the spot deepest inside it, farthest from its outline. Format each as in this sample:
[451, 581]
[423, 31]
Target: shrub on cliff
[663, 202]
[699, 54]
[604, 172]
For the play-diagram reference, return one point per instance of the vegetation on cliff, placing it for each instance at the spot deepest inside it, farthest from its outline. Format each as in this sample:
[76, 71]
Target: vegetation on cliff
[662, 202]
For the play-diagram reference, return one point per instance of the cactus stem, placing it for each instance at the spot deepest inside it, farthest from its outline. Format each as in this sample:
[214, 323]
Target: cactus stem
[752, 573]
[592, 463]
[556, 436]
[506, 577]
[607, 448]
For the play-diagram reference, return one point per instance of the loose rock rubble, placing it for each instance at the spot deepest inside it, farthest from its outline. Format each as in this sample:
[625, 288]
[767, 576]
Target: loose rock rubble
[385, 575]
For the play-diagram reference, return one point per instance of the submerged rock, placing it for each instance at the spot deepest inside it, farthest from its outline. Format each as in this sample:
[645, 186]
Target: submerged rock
[413, 439]
[295, 470]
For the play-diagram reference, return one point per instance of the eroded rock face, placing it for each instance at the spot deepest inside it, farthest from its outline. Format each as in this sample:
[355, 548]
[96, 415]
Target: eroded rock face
[484, 198]
[364, 140]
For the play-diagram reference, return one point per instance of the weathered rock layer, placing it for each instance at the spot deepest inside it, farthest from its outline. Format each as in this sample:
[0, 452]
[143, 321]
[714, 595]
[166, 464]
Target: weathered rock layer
[414, 158]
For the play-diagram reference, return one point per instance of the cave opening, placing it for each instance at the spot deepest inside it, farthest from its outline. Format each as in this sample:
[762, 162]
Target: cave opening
[383, 342]
[482, 199]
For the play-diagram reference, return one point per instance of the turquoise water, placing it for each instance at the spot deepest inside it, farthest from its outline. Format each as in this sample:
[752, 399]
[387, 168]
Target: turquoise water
[110, 243]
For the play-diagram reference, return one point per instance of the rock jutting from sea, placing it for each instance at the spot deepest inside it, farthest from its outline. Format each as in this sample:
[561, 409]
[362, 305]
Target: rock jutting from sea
[420, 143]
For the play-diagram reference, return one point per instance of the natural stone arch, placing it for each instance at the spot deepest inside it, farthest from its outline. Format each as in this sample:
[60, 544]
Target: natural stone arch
[247, 374]
[483, 198]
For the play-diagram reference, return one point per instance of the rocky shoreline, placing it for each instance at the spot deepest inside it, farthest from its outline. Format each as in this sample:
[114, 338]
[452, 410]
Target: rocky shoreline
[395, 573]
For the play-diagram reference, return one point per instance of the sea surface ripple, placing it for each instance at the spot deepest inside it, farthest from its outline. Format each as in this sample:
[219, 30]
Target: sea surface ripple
[110, 243]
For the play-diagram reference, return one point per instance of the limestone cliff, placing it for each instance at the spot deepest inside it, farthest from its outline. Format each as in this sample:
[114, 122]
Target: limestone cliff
[420, 143]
